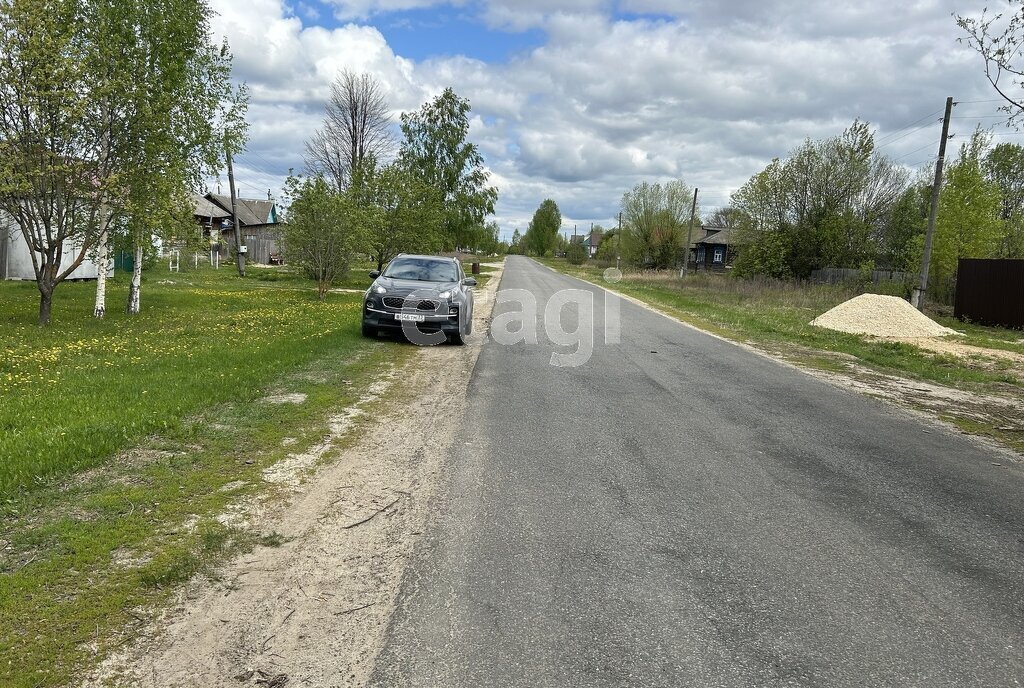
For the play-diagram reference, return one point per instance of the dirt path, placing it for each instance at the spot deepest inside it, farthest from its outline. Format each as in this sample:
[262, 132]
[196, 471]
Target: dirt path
[312, 611]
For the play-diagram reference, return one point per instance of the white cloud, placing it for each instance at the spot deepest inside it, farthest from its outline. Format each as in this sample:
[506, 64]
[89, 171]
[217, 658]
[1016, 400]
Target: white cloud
[709, 94]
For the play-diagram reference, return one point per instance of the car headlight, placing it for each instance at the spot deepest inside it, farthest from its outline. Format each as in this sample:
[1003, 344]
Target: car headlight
[447, 294]
[380, 290]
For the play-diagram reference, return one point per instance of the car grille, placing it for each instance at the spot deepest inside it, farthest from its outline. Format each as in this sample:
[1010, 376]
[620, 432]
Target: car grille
[398, 302]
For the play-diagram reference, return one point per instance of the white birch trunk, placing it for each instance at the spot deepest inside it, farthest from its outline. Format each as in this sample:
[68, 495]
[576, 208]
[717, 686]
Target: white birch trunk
[102, 266]
[135, 289]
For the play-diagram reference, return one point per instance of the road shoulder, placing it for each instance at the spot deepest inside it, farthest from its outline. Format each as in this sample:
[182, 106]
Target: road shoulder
[312, 608]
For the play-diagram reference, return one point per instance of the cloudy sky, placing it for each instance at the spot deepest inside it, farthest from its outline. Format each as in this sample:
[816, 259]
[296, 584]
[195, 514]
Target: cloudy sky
[579, 100]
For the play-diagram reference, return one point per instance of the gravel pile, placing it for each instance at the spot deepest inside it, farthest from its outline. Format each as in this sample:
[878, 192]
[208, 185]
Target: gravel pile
[880, 316]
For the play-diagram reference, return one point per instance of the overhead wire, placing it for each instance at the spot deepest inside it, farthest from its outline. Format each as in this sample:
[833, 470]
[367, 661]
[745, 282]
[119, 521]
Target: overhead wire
[885, 140]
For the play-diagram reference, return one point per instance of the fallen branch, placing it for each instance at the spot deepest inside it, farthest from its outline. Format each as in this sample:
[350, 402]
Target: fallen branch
[373, 515]
[353, 609]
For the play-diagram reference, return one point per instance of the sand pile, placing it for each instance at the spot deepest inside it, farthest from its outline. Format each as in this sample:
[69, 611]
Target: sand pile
[880, 316]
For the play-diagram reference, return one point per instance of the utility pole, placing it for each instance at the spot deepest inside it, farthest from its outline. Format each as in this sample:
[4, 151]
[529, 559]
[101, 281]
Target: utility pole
[239, 248]
[618, 242]
[689, 237]
[917, 298]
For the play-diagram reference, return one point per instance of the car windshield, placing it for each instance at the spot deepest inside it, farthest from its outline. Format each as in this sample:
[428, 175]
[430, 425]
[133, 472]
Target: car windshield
[422, 270]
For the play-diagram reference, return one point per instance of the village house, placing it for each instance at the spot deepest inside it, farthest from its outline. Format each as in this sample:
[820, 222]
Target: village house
[257, 219]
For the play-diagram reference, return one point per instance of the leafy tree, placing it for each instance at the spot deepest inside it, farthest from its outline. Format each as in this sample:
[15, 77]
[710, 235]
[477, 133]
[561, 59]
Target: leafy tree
[830, 203]
[1004, 165]
[515, 247]
[104, 121]
[608, 250]
[905, 228]
[968, 223]
[542, 233]
[322, 233]
[54, 170]
[357, 129]
[764, 254]
[435, 147]
[727, 218]
[654, 220]
[400, 212]
[179, 76]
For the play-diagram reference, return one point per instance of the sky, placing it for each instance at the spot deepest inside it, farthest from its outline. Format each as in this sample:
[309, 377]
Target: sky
[581, 100]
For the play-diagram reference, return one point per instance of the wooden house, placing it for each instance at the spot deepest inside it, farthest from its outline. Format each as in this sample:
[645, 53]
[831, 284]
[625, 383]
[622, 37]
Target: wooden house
[715, 249]
[257, 220]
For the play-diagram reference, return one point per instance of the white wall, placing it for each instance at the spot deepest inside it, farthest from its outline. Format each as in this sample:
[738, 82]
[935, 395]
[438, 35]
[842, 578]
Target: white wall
[18, 258]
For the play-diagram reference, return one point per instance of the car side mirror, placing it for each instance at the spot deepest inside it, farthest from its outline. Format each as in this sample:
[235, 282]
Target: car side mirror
[469, 282]
[374, 274]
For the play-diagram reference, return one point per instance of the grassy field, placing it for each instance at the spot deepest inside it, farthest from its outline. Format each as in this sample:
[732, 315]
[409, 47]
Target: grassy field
[775, 316]
[122, 439]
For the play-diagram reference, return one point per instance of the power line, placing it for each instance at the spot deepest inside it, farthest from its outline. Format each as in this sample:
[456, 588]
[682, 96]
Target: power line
[905, 127]
[916, 150]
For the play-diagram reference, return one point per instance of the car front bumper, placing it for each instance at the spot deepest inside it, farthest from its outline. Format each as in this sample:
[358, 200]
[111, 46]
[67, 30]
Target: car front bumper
[432, 322]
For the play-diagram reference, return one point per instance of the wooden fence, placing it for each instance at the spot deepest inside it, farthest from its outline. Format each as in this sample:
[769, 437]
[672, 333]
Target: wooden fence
[837, 275]
[990, 291]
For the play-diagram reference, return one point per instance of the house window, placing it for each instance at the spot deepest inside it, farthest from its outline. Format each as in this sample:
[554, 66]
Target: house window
[719, 254]
[700, 254]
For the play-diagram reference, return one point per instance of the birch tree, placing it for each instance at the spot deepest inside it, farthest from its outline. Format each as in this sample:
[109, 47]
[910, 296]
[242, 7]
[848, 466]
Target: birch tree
[183, 110]
[435, 147]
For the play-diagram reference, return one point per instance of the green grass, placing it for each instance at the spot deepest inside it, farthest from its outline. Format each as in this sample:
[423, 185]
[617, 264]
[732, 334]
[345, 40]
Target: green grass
[198, 341]
[152, 425]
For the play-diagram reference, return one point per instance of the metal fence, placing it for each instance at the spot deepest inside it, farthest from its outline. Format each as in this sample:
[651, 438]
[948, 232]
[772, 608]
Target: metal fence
[990, 291]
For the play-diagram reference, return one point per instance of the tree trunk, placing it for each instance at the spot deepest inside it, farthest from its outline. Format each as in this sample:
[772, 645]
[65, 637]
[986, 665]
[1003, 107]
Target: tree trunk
[45, 305]
[135, 288]
[102, 262]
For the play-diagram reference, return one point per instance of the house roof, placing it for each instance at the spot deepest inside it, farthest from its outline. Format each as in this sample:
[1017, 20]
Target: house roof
[593, 239]
[716, 236]
[206, 208]
[250, 211]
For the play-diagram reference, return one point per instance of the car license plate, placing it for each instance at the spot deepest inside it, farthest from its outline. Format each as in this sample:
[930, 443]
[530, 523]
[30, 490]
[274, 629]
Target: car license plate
[408, 317]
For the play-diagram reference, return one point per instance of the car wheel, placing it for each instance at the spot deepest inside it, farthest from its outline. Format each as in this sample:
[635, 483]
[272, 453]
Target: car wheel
[369, 331]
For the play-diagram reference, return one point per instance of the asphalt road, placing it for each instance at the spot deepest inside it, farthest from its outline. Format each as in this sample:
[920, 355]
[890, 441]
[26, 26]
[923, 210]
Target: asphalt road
[681, 512]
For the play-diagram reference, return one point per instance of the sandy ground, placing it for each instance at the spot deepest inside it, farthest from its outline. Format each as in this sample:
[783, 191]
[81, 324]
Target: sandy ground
[312, 612]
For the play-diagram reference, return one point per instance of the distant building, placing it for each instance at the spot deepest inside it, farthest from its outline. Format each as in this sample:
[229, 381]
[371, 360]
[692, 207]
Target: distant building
[592, 242]
[257, 220]
[715, 249]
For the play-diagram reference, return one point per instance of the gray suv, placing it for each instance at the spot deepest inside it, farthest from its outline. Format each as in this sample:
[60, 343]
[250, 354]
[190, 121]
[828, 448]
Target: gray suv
[428, 298]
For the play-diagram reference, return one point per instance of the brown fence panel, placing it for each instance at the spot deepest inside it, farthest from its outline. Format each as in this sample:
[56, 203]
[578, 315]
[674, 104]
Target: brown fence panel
[990, 291]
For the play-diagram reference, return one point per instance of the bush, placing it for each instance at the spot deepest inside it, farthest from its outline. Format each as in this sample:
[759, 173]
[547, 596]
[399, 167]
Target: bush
[576, 254]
